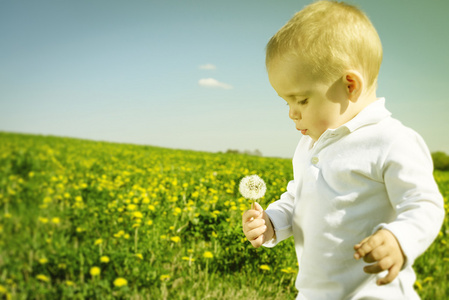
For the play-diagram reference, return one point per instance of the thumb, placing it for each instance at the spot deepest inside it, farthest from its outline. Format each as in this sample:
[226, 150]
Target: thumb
[258, 207]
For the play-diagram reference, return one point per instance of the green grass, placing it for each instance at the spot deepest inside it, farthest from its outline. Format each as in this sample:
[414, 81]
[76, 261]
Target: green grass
[168, 221]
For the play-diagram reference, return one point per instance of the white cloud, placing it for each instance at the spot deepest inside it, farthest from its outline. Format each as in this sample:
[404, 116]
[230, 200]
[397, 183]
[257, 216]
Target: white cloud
[208, 67]
[213, 83]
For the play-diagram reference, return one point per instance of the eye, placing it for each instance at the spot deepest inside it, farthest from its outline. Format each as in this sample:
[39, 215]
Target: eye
[303, 102]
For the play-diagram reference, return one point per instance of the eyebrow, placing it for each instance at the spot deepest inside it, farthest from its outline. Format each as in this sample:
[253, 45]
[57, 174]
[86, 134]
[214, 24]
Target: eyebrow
[296, 94]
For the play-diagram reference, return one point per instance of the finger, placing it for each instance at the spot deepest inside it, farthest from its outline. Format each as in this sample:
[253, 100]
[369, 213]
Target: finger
[258, 207]
[258, 242]
[252, 235]
[376, 254]
[356, 247]
[392, 274]
[250, 214]
[380, 266]
[253, 224]
[369, 245]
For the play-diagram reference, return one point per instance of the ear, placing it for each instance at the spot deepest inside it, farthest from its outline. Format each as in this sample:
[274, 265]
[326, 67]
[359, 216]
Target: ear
[354, 85]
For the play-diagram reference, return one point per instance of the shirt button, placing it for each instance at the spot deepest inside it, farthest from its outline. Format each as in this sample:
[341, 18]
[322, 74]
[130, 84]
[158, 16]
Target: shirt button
[315, 160]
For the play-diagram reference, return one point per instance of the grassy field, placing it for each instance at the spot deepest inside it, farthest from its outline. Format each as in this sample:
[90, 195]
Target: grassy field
[82, 219]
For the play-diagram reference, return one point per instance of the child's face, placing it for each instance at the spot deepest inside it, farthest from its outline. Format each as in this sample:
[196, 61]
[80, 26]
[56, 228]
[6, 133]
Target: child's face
[314, 106]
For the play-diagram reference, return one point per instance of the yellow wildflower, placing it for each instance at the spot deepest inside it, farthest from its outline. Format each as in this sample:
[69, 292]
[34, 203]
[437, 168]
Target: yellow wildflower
[42, 277]
[43, 220]
[119, 282]
[131, 207]
[56, 220]
[69, 283]
[165, 277]
[95, 271]
[265, 267]
[150, 222]
[138, 214]
[175, 239]
[208, 254]
[139, 255]
[43, 261]
[98, 242]
[190, 259]
[104, 259]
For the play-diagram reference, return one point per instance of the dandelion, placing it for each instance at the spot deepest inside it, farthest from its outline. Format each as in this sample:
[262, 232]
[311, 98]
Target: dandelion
[164, 277]
[56, 220]
[138, 215]
[252, 187]
[208, 254]
[95, 271]
[43, 220]
[42, 277]
[43, 261]
[265, 267]
[139, 255]
[62, 266]
[131, 207]
[69, 283]
[175, 239]
[288, 270]
[119, 282]
[98, 242]
[189, 259]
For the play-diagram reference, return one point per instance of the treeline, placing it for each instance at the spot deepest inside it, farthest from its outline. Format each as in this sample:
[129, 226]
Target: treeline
[246, 152]
[440, 161]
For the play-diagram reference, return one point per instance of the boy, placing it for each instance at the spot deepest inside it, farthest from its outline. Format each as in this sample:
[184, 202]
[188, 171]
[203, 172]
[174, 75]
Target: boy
[363, 204]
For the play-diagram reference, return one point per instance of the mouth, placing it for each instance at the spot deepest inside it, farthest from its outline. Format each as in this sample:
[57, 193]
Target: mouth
[303, 131]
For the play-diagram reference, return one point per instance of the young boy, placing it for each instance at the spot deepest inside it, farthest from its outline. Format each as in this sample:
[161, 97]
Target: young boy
[363, 204]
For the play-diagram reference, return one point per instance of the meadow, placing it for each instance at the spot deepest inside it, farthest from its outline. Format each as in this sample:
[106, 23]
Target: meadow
[83, 219]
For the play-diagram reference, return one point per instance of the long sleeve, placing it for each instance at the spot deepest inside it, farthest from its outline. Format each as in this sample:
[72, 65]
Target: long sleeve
[414, 195]
[281, 214]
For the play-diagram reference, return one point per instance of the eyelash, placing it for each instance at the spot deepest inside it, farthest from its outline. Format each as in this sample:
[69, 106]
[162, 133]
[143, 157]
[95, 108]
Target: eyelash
[302, 102]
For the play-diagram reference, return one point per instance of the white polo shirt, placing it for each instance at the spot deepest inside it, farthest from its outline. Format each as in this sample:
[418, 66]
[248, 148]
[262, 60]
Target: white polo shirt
[368, 174]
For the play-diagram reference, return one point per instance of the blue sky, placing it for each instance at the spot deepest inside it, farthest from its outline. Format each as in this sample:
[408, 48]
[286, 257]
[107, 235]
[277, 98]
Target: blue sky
[191, 75]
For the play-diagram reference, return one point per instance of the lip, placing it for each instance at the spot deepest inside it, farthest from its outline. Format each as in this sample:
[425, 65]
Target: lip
[303, 131]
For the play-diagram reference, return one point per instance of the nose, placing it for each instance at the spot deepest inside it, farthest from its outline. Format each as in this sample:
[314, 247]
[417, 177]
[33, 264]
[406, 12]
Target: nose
[294, 114]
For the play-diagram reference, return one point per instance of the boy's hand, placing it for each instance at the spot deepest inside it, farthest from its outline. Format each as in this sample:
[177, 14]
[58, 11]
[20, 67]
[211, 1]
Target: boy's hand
[382, 249]
[257, 226]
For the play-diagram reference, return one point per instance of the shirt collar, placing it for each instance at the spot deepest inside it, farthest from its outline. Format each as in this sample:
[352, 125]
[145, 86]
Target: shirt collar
[372, 114]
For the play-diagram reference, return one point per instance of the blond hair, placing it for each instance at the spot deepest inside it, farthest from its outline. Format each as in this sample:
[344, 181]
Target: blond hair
[330, 38]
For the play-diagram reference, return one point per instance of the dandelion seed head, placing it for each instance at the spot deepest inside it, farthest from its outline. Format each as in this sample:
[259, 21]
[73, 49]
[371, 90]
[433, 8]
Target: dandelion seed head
[252, 187]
